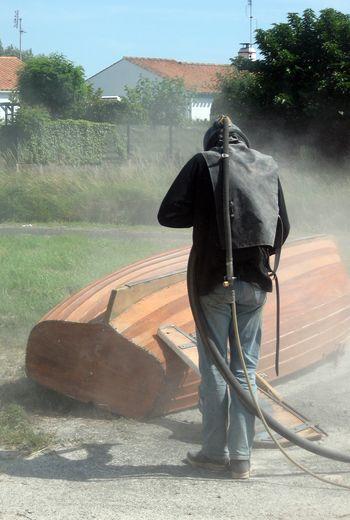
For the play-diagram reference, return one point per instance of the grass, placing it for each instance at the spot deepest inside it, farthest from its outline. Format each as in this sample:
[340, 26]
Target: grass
[76, 195]
[36, 272]
[124, 194]
[17, 430]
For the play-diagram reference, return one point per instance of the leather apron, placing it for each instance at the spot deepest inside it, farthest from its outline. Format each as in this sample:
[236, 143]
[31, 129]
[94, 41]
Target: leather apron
[253, 195]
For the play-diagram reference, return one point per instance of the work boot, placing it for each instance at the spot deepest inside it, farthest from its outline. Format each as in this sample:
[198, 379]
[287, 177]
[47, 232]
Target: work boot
[240, 469]
[199, 460]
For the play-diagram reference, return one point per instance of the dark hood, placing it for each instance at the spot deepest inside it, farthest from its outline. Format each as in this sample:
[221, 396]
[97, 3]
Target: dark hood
[214, 135]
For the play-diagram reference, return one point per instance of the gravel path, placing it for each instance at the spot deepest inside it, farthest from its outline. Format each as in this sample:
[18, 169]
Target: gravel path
[122, 469]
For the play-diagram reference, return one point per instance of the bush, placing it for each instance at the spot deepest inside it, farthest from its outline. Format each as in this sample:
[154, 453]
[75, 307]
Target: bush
[36, 139]
[54, 82]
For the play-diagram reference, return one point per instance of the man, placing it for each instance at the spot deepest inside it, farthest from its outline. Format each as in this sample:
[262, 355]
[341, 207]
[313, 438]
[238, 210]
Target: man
[257, 206]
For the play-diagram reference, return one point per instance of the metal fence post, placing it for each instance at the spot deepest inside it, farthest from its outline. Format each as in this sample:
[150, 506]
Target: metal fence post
[171, 141]
[128, 140]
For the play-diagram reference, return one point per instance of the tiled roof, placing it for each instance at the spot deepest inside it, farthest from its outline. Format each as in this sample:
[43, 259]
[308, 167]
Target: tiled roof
[200, 77]
[9, 66]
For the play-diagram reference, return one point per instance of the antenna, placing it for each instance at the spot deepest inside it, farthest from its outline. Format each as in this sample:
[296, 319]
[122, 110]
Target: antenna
[251, 18]
[17, 23]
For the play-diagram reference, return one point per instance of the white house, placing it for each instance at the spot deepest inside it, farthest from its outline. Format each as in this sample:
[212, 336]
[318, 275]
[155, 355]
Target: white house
[9, 67]
[201, 79]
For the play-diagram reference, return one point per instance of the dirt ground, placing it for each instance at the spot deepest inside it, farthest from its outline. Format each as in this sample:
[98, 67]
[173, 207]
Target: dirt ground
[107, 467]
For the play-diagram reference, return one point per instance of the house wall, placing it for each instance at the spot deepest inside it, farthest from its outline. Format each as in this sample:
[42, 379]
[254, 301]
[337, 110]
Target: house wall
[113, 80]
[4, 97]
[200, 107]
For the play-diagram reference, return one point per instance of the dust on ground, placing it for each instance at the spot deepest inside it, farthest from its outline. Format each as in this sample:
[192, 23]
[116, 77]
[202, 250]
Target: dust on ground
[108, 467]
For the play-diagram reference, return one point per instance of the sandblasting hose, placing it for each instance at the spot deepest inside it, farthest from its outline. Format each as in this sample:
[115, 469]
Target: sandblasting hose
[248, 398]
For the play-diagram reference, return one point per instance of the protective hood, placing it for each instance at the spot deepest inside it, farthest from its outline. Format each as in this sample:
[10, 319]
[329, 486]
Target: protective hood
[214, 135]
[253, 195]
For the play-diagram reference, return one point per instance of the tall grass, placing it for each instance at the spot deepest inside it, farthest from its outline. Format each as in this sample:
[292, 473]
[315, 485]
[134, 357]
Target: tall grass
[317, 195]
[128, 194]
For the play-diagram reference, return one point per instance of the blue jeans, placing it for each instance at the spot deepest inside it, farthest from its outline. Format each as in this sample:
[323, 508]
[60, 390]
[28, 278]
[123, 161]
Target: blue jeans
[228, 428]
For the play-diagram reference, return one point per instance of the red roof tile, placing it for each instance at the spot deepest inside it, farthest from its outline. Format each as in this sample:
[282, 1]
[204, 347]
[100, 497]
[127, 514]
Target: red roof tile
[200, 77]
[9, 66]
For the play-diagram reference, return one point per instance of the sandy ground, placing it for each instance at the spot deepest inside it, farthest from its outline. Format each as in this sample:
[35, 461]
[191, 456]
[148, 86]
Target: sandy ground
[114, 468]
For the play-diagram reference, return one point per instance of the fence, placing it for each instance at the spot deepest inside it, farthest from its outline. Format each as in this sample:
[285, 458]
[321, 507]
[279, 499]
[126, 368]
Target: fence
[175, 142]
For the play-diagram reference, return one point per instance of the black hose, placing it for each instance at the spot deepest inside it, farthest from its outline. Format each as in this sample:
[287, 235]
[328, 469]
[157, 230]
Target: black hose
[226, 205]
[243, 395]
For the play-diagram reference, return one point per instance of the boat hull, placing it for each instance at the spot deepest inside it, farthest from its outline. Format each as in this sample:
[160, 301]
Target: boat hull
[106, 350]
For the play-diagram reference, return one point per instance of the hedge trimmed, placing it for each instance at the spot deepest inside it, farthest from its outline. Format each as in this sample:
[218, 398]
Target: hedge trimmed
[71, 142]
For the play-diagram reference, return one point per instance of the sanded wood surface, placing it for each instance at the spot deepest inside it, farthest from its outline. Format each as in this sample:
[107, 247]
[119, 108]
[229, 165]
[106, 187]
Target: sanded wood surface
[315, 322]
[93, 363]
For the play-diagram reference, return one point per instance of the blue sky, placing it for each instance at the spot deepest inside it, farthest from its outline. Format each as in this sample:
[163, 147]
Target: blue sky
[95, 34]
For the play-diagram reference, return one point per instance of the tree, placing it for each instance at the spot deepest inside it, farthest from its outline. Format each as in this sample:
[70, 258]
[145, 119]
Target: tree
[305, 72]
[237, 97]
[55, 83]
[162, 102]
[10, 50]
[302, 81]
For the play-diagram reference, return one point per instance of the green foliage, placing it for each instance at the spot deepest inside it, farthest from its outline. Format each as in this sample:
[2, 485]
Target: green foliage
[305, 73]
[156, 102]
[302, 82]
[237, 97]
[30, 120]
[55, 83]
[37, 139]
[10, 50]
[103, 110]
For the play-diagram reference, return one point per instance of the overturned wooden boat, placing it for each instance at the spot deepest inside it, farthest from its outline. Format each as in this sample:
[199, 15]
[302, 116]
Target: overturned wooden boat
[127, 341]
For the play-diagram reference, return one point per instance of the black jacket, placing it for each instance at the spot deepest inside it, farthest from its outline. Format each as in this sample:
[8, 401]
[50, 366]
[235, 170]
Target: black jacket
[190, 202]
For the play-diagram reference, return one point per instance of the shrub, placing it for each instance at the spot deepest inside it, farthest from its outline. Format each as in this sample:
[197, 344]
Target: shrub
[37, 139]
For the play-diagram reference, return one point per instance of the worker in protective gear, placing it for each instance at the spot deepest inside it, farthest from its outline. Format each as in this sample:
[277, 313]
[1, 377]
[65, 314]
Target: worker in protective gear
[260, 225]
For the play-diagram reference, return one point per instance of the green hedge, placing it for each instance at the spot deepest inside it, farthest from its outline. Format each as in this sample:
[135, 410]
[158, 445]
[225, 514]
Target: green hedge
[70, 142]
